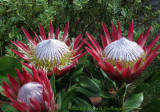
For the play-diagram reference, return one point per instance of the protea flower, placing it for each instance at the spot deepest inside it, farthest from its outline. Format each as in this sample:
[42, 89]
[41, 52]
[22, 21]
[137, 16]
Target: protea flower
[122, 59]
[53, 54]
[31, 93]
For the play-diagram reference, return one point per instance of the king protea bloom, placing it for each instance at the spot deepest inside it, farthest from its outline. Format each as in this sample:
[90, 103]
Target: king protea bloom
[32, 93]
[122, 59]
[54, 54]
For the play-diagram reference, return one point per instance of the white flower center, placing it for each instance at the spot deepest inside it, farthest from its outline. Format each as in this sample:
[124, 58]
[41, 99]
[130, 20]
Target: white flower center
[123, 50]
[30, 90]
[51, 50]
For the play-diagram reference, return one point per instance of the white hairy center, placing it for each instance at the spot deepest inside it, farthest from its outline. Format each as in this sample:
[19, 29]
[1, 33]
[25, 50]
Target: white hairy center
[123, 50]
[51, 50]
[30, 90]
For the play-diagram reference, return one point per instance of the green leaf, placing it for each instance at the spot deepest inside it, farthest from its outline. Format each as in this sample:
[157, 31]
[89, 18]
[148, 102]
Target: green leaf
[141, 88]
[28, 70]
[75, 75]
[89, 87]
[133, 101]
[113, 84]
[8, 65]
[138, 1]
[1, 89]
[87, 92]
[79, 102]
[123, 12]
[92, 68]
[84, 1]
[89, 83]
[82, 103]
[154, 106]
[97, 81]
[67, 99]
[105, 94]
[122, 90]
[8, 108]
[52, 81]
[60, 97]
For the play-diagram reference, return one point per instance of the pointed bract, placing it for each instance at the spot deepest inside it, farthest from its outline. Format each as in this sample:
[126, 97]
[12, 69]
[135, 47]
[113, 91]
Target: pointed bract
[106, 32]
[151, 45]
[104, 43]
[57, 34]
[51, 29]
[64, 39]
[119, 30]
[142, 42]
[27, 35]
[114, 33]
[42, 33]
[130, 31]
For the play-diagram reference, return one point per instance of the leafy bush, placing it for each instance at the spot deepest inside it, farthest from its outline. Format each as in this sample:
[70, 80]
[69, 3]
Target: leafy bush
[82, 82]
[84, 15]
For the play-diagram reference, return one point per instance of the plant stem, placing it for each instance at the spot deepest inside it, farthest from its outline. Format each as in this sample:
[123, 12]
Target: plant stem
[122, 93]
[122, 103]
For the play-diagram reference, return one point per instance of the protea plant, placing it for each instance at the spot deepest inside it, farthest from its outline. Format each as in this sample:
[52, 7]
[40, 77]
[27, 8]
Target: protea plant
[122, 59]
[31, 93]
[54, 54]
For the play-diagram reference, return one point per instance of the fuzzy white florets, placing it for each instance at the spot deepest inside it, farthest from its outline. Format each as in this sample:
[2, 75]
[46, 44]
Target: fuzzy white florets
[51, 50]
[30, 90]
[123, 50]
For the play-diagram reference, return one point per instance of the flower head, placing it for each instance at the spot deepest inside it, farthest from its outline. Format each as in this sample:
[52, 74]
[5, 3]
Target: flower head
[31, 93]
[53, 54]
[122, 59]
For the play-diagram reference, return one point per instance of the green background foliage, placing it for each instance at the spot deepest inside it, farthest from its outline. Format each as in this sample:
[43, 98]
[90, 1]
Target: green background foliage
[84, 16]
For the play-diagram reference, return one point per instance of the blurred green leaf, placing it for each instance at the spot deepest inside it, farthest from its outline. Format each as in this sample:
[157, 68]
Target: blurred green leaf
[52, 81]
[76, 74]
[105, 94]
[1, 89]
[122, 90]
[8, 65]
[113, 84]
[87, 82]
[8, 108]
[28, 69]
[60, 97]
[154, 106]
[79, 102]
[67, 99]
[88, 92]
[133, 101]
[141, 88]
[89, 87]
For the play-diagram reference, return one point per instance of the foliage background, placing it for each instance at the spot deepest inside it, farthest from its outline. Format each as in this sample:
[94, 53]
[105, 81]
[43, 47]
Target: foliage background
[84, 16]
